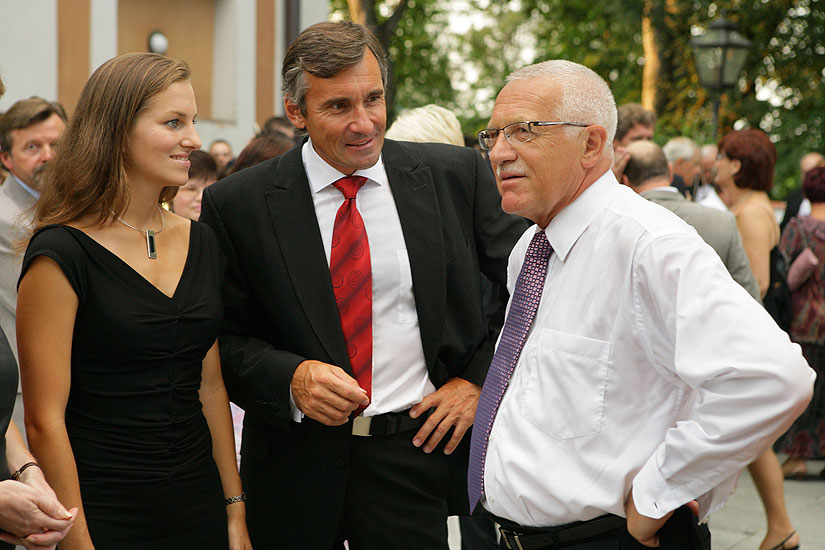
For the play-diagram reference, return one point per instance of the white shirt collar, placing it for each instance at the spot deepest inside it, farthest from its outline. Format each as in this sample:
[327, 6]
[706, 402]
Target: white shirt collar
[565, 228]
[668, 188]
[31, 191]
[321, 175]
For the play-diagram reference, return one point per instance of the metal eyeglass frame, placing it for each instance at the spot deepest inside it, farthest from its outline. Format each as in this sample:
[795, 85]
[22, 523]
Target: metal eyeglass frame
[490, 135]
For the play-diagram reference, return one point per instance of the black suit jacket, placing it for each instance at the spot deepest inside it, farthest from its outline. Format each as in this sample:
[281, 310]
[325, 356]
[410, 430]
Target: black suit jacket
[280, 307]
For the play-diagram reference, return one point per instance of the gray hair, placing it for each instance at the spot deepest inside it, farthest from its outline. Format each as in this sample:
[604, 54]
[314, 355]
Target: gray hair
[429, 123]
[680, 148]
[708, 150]
[324, 50]
[586, 97]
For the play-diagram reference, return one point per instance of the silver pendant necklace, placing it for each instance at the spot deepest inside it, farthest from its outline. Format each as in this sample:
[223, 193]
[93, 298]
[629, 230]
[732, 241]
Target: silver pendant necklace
[150, 235]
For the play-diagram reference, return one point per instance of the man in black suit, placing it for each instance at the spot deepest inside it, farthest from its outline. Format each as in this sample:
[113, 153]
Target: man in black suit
[328, 456]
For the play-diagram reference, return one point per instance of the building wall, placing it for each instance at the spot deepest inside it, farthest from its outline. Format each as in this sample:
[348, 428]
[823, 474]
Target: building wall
[50, 47]
[190, 27]
[28, 49]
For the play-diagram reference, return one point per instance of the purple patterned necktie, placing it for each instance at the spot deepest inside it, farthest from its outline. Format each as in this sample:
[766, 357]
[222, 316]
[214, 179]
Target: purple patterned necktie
[523, 307]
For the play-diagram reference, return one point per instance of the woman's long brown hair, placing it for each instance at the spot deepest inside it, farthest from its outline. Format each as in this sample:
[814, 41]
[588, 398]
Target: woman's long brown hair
[88, 173]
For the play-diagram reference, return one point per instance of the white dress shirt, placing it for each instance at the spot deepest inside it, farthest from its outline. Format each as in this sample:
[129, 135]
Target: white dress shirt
[706, 195]
[647, 367]
[30, 190]
[399, 370]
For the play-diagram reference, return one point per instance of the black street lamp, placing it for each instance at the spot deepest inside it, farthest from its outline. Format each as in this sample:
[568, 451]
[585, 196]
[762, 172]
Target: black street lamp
[719, 55]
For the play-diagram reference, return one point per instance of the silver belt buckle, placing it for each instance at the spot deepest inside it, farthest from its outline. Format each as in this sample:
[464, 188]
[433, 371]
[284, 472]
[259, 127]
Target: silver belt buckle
[361, 426]
[515, 537]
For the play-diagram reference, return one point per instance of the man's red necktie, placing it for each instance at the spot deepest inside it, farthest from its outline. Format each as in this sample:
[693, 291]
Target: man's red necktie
[351, 274]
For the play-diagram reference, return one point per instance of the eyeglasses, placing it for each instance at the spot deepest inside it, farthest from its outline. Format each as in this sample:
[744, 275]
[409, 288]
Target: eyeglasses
[522, 132]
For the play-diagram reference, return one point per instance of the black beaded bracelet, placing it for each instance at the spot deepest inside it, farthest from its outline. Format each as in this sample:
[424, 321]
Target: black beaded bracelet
[16, 475]
[236, 498]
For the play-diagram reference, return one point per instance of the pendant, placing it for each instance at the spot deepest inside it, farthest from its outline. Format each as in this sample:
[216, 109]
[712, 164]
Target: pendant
[150, 244]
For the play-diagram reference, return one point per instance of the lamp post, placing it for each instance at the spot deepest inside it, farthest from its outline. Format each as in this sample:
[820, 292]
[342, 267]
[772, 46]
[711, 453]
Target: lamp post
[719, 55]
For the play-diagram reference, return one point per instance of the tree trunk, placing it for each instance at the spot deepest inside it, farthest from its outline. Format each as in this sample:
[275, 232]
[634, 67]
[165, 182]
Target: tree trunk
[356, 14]
[363, 12]
[650, 72]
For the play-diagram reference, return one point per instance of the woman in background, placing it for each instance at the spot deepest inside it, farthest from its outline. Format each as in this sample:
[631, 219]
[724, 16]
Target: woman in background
[744, 173]
[261, 148]
[203, 172]
[805, 439]
[125, 404]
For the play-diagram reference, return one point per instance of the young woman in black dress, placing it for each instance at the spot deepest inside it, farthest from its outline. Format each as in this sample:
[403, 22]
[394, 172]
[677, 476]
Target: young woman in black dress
[118, 314]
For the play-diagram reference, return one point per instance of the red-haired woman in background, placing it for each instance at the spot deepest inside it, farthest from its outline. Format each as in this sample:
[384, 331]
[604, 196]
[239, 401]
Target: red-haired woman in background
[744, 173]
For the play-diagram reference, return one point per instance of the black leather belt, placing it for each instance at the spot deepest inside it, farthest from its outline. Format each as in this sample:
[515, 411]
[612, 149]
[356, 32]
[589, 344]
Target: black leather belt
[387, 423]
[563, 535]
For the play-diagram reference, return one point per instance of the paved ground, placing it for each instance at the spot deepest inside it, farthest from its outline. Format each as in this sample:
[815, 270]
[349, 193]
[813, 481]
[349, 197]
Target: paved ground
[740, 525]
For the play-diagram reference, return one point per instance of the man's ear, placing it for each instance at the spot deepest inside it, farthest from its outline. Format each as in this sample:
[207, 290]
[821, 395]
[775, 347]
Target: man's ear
[6, 160]
[593, 145]
[293, 113]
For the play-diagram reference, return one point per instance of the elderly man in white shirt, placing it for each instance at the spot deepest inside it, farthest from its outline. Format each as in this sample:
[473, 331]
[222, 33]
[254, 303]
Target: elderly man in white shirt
[616, 396]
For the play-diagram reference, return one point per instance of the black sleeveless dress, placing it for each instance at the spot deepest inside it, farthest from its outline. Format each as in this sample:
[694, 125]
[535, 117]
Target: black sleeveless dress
[8, 393]
[140, 439]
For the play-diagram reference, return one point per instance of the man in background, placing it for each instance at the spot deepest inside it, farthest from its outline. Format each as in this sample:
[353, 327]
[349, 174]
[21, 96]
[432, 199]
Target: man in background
[705, 194]
[634, 123]
[221, 151]
[683, 157]
[29, 132]
[647, 174]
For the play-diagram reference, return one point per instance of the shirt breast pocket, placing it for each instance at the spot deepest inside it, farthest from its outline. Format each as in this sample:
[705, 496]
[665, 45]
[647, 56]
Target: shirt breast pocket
[563, 392]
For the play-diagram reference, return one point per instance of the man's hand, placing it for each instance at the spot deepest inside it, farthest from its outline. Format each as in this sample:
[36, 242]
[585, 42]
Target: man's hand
[326, 393]
[645, 529]
[32, 518]
[455, 406]
[620, 158]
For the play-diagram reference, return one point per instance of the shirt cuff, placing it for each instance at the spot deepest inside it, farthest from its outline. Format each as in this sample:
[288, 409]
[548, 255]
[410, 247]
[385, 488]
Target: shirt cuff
[294, 412]
[652, 495]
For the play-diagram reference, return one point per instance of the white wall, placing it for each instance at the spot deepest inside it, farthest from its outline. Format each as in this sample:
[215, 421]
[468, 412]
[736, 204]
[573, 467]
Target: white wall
[28, 49]
[104, 32]
[28, 57]
[233, 89]
[313, 11]
[233, 77]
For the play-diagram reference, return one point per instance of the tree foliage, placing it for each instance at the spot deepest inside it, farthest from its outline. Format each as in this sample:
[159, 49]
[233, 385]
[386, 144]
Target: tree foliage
[780, 91]
[781, 87]
[419, 68]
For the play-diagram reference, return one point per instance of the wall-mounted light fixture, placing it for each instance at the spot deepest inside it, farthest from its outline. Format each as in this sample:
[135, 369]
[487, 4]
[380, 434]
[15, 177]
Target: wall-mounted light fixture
[158, 43]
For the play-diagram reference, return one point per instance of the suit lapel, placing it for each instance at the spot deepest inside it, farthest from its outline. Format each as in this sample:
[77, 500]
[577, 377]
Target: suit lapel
[416, 200]
[293, 218]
